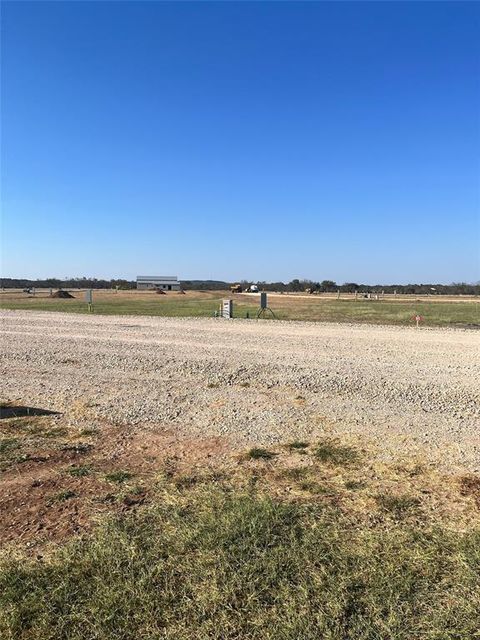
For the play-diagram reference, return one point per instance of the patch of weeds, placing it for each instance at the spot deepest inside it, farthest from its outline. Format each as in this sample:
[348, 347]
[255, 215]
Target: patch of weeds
[470, 486]
[36, 427]
[55, 432]
[355, 485]
[298, 445]
[35, 430]
[136, 490]
[313, 487]
[26, 457]
[88, 431]
[410, 471]
[185, 482]
[244, 384]
[118, 476]
[79, 472]
[336, 454]
[135, 496]
[260, 454]
[20, 424]
[417, 470]
[9, 444]
[62, 496]
[9, 453]
[300, 398]
[217, 476]
[169, 467]
[296, 473]
[80, 448]
[398, 506]
[108, 498]
[212, 385]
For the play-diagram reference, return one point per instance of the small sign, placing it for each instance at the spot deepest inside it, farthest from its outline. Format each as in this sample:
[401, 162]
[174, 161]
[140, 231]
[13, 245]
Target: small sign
[263, 300]
[418, 319]
[88, 296]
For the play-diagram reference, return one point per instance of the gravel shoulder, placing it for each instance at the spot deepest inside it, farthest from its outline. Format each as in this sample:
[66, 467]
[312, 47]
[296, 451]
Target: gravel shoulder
[406, 390]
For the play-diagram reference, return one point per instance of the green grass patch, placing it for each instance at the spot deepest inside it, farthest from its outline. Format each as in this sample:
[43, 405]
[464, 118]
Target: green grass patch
[217, 564]
[398, 505]
[9, 452]
[118, 476]
[330, 452]
[88, 432]
[79, 448]
[399, 312]
[260, 454]
[61, 496]
[313, 487]
[9, 444]
[298, 445]
[186, 481]
[296, 473]
[355, 485]
[54, 432]
[79, 472]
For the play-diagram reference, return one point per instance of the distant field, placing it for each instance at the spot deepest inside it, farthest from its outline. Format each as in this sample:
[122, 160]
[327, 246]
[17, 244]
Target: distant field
[437, 311]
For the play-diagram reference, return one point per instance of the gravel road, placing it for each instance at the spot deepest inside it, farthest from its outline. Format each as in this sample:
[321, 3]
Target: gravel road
[254, 382]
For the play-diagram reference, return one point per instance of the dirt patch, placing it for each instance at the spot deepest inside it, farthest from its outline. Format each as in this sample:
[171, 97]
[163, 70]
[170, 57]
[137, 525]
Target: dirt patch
[55, 485]
[470, 486]
[62, 294]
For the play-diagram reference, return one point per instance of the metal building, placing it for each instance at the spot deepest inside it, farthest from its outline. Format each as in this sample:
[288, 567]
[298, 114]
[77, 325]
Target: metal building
[168, 283]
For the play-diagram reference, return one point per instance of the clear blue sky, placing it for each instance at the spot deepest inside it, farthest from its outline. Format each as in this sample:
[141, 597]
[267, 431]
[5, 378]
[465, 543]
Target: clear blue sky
[241, 140]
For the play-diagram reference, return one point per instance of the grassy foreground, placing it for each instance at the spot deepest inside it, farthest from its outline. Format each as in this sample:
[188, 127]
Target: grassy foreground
[211, 561]
[204, 304]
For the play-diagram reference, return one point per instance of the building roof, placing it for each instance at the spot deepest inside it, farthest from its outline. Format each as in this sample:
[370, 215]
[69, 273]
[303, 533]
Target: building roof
[157, 278]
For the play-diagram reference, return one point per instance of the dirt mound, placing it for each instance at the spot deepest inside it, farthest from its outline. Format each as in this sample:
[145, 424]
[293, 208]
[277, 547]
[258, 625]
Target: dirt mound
[160, 292]
[62, 294]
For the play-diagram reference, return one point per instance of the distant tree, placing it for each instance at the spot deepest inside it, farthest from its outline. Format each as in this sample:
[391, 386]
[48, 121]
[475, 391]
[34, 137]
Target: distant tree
[295, 285]
[350, 287]
[328, 285]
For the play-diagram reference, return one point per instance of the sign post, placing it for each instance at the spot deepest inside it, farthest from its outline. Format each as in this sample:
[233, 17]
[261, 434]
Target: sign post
[264, 306]
[418, 319]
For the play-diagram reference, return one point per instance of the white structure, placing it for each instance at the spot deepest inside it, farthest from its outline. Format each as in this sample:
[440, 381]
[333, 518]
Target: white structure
[227, 308]
[168, 283]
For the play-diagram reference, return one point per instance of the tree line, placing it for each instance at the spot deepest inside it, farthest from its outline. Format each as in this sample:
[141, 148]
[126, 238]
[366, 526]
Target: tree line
[295, 285]
[330, 286]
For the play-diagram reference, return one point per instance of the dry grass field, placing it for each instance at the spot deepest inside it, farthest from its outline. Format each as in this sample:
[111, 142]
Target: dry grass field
[401, 310]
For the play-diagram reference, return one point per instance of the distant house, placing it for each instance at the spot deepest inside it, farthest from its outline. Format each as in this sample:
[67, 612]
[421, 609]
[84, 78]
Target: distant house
[169, 283]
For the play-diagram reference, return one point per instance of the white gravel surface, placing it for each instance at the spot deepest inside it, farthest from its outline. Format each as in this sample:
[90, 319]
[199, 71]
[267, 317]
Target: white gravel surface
[254, 382]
